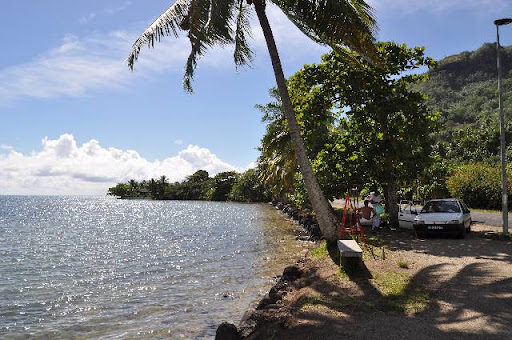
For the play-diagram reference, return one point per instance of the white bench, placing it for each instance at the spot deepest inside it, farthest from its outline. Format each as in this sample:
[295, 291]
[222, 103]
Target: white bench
[349, 248]
[351, 255]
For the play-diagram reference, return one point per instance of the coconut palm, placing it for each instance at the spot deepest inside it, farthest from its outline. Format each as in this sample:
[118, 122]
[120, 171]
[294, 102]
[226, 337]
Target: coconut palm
[133, 186]
[222, 22]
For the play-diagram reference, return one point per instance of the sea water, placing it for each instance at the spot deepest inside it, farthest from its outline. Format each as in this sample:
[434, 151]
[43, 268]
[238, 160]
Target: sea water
[103, 268]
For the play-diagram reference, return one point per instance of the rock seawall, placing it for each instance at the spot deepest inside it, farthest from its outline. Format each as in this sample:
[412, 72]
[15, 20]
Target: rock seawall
[270, 306]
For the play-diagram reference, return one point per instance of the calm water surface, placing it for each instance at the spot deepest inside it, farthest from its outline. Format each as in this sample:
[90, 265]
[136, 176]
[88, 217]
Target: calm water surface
[101, 268]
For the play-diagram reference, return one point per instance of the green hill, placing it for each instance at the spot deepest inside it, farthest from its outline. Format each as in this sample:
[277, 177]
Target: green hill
[464, 88]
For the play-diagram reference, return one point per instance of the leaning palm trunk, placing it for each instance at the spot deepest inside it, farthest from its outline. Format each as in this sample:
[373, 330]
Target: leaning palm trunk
[324, 212]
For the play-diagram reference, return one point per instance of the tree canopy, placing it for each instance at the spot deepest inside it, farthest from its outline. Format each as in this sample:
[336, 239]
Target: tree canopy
[361, 121]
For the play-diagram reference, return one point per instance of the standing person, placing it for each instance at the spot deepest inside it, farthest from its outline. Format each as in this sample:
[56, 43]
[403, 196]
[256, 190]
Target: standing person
[376, 201]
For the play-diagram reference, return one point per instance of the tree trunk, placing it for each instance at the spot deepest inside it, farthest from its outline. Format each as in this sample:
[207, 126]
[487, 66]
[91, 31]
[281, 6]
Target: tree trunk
[392, 204]
[324, 212]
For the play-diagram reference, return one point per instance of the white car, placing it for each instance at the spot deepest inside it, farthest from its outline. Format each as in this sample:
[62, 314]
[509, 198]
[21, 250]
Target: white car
[407, 212]
[443, 216]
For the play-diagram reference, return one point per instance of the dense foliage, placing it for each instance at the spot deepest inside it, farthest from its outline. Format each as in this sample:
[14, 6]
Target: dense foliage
[464, 88]
[361, 123]
[478, 184]
[224, 186]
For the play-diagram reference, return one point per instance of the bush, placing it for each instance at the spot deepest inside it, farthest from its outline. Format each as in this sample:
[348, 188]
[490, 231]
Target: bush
[299, 198]
[478, 184]
[248, 188]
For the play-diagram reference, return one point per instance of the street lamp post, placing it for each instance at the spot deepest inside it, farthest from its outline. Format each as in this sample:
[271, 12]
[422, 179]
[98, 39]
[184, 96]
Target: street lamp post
[504, 196]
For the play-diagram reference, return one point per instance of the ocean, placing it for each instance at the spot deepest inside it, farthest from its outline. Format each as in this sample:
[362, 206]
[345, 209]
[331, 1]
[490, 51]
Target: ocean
[104, 268]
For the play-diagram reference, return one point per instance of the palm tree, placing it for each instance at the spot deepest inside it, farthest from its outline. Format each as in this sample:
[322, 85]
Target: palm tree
[153, 187]
[277, 161]
[221, 22]
[133, 186]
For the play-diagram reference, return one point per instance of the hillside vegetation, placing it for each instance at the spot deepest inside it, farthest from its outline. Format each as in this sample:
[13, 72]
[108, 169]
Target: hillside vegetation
[464, 86]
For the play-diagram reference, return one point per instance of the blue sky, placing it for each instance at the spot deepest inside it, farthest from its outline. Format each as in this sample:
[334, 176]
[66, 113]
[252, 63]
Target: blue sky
[75, 120]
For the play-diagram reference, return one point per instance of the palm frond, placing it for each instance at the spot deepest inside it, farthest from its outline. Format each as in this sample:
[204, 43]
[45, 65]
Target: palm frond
[208, 22]
[243, 54]
[220, 21]
[334, 22]
[166, 24]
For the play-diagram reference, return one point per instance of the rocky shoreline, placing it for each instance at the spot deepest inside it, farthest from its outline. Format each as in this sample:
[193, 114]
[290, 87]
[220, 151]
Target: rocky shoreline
[304, 218]
[271, 307]
[405, 284]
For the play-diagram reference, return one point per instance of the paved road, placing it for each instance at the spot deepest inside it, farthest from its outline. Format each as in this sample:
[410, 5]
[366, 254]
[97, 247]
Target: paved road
[490, 218]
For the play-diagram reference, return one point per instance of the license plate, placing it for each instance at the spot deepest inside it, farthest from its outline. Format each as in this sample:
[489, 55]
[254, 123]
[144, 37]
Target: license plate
[435, 227]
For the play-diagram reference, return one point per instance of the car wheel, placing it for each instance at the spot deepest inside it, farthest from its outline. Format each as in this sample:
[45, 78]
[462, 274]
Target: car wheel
[468, 229]
[462, 233]
[420, 235]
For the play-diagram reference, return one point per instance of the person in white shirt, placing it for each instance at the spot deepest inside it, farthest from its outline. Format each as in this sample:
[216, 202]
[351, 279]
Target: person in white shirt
[376, 201]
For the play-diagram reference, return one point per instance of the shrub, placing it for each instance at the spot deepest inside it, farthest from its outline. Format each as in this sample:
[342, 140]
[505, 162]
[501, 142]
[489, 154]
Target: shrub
[478, 184]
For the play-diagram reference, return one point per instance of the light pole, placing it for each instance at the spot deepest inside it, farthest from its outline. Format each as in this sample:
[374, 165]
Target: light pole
[504, 196]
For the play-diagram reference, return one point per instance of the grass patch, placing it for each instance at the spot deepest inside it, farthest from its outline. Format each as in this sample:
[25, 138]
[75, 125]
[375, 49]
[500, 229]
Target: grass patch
[375, 240]
[338, 303]
[403, 264]
[342, 275]
[398, 294]
[320, 251]
[371, 252]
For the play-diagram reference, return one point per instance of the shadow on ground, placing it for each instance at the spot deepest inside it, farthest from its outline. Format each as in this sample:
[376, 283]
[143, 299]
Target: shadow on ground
[473, 245]
[473, 302]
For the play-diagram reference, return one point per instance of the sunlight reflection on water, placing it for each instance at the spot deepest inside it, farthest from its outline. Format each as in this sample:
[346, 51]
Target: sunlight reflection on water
[91, 267]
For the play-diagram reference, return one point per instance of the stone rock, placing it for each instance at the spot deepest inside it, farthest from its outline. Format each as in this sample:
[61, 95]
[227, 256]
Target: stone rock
[275, 295]
[227, 331]
[291, 273]
[265, 301]
[302, 238]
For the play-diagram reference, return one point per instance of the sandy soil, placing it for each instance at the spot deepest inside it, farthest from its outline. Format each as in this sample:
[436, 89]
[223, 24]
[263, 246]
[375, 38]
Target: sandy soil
[467, 285]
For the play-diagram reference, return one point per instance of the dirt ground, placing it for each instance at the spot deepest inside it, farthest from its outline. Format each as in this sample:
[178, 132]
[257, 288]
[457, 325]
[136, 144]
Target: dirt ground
[463, 287]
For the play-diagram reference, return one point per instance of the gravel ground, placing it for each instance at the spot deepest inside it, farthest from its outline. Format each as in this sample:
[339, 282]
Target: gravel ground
[469, 282]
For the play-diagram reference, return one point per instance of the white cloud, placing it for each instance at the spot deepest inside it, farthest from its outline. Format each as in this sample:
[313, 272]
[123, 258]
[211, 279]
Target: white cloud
[107, 11]
[63, 167]
[85, 64]
[86, 18]
[178, 142]
[119, 8]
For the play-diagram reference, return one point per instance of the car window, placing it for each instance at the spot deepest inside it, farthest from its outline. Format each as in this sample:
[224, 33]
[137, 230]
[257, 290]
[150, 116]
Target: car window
[441, 207]
[465, 208]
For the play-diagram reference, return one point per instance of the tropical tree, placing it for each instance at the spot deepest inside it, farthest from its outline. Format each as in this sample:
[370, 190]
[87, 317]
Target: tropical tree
[248, 188]
[162, 184]
[277, 161]
[386, 134]
[195, 186]
[121, 190]
[222, 184]
[153, 187]
[134, 186]
[216, 22]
